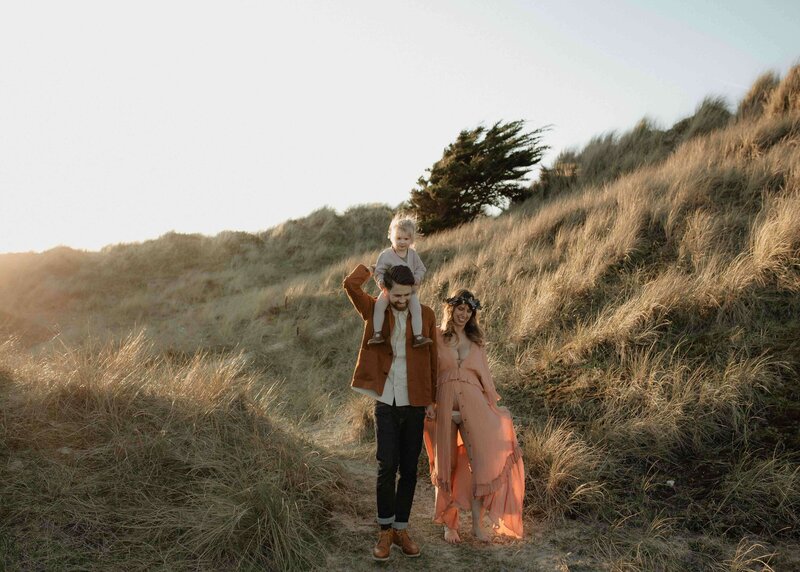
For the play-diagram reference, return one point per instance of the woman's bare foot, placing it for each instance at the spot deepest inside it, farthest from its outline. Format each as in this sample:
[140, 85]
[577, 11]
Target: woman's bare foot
[481, 534]
[451, 535]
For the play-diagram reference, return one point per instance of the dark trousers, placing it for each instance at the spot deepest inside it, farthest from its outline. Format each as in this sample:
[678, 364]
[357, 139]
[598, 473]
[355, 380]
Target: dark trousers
[398, 431]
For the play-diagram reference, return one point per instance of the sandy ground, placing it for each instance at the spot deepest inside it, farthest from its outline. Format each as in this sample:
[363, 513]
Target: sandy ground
[542, 548]
[563, 547]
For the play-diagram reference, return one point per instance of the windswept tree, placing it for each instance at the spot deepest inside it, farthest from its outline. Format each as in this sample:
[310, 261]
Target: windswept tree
[482, 168]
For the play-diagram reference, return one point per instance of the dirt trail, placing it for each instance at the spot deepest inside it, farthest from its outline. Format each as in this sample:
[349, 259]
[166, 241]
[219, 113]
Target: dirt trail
[542, 549]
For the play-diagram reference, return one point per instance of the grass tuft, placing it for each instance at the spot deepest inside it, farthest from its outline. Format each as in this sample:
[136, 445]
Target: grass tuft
[785, 98]
[562, 472]
[756, 100]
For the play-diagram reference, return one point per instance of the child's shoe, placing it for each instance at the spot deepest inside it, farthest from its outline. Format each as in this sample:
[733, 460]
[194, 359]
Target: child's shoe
[377, 338]
[420, 341]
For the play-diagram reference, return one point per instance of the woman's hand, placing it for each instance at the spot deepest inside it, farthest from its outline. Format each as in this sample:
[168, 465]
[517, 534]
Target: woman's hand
[430, 411]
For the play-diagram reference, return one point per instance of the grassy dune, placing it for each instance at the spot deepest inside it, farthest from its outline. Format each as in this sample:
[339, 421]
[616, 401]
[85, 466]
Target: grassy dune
[642, 312]
[116, 458]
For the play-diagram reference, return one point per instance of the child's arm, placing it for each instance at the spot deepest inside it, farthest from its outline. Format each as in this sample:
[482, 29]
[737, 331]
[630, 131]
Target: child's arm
[381, 266]
[419, 268]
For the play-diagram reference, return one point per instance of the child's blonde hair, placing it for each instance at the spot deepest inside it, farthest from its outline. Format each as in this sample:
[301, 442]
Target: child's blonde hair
[403, 222]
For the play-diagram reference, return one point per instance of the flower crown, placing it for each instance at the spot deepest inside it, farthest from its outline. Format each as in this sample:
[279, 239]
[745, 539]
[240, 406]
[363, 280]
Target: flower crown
[467, 299]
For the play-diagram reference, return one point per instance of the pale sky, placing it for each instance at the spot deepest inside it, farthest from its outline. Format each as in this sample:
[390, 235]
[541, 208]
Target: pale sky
[120, 121]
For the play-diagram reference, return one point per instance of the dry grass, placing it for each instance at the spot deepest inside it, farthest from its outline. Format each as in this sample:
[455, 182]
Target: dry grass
[750, 556]
[762, 487]
[647, 546]
[358, 412]
[116, 458]
[753, 104]
[562, 472]
[785, 98]
[610, 156]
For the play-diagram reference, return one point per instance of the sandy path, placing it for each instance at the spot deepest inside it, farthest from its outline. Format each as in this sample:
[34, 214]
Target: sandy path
[543, 548]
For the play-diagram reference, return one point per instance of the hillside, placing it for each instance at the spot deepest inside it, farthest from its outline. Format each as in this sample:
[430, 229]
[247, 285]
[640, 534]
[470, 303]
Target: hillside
[642, 313]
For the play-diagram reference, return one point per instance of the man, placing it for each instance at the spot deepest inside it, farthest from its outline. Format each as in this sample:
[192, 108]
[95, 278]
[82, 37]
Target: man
[402, 380]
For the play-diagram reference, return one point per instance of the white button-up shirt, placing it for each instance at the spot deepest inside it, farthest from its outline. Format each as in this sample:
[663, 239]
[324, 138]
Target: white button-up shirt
[396, 388]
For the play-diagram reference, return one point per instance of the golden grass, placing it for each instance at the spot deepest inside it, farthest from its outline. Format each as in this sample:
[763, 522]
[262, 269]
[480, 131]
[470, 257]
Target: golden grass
[359, 417]
[753, 104]
[561, 472]
[785, 98]
[115, 458]
[647, 547]
[762, 487]
[750, 556]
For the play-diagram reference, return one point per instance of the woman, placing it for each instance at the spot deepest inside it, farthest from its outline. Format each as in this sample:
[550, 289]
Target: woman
[475, 460]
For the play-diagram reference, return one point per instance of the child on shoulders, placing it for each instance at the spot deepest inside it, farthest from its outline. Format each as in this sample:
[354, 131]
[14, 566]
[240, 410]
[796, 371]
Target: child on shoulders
[402, 232]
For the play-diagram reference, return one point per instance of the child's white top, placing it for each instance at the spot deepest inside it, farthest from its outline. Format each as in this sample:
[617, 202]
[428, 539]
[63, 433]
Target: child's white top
[389, 258]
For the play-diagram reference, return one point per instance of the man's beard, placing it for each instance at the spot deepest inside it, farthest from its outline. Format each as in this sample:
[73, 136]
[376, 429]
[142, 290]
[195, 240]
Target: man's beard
[396, 305]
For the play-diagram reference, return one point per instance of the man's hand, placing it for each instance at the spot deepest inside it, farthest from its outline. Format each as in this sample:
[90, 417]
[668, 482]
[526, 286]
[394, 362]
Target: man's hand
[371, 269]
[430, 411]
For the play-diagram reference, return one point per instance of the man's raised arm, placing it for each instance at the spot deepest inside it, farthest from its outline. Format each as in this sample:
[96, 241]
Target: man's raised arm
[363, 302]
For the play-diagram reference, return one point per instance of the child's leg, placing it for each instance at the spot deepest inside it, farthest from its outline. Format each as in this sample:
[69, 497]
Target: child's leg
[377, 315]
[416, 314]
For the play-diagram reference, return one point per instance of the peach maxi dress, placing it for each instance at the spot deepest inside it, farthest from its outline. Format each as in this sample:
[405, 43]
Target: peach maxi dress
[488, 463]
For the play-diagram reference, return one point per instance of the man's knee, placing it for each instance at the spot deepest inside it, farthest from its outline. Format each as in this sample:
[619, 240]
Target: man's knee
[408, 471]
[409, 477]
[387, 464]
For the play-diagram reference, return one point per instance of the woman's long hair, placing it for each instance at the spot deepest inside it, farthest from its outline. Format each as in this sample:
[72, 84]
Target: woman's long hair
[472, 328]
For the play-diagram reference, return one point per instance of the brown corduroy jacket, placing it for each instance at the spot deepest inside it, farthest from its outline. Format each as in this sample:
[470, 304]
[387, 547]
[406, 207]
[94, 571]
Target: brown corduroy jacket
[374, 361]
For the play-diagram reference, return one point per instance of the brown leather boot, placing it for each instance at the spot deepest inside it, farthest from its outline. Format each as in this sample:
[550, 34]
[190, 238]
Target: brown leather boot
[383, 549]
[408, 546]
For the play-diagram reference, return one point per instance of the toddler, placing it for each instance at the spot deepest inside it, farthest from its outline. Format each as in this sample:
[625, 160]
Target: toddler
[401, 232]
